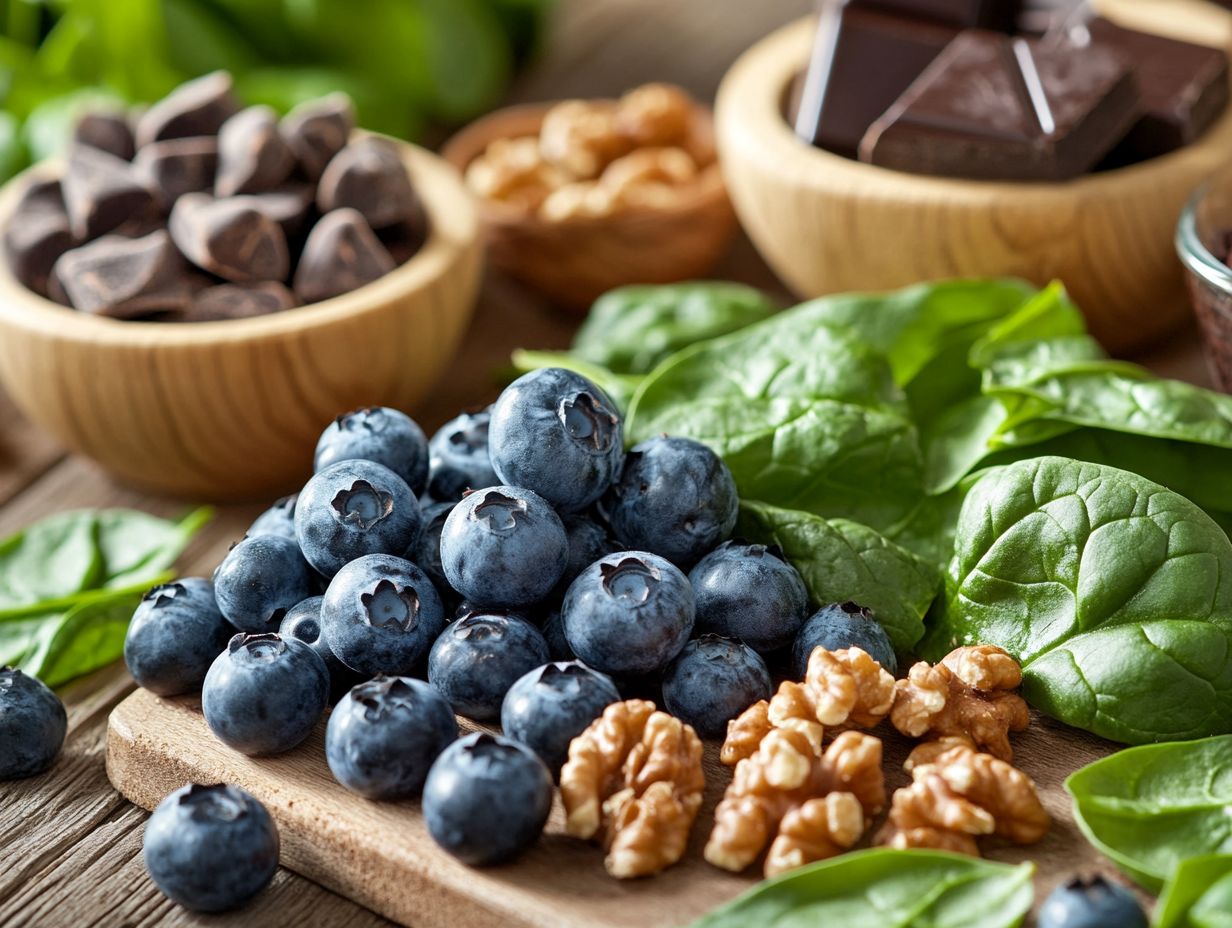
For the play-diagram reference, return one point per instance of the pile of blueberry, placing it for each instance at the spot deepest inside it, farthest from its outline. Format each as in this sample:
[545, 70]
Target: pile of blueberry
[522, 563]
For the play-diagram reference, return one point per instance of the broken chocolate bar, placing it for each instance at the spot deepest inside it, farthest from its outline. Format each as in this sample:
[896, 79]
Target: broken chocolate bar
[229, 239]
[37, 235]
[991, 107]
[317, 130]
[125, 277]
[289, 206]
[368, 175]
[177, 166]
[108, 131]
[341, 253]
[199, 107]
[101, 192]
[862, 60]
[985, 14]
[253, 157]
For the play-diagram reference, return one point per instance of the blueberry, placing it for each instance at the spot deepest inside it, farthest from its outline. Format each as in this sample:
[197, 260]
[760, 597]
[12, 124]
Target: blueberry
[279, 519]
[1093, 903]
[211, 848]
[838, 626]
[259, 580]
[554, 635]
[556, 433]
[384, 735]
[32, 725]
[503, 546]
[749, 592]
[458, 457]
[381, 615]
[426, 551]
[264, 693]
[487, 799]
[303, 623]
[174, 636]
[550, 706]
[588, 541]
[629, 613]
[380, 434]
[477, 658]
[354, 508]
[674, 498]
[712, 681]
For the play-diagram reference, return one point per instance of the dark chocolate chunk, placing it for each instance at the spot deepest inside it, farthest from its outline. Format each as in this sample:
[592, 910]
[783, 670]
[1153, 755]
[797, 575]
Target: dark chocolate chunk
[178, 166]
[998, 108]
[1183, 87]
[233, 301]
[125, 277]
[229, 239]
[252, 155]
[199, 107]
[37, 235]
[289, 206]
[368, 175]
[862, 60]
[108, 131]
[101, 192]
[317, 130]
[985, 14]
[341, 254]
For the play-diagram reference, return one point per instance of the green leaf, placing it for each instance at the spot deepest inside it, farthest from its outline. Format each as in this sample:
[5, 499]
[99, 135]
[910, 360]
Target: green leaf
[82, 639]
[376, 109]
[629, 330]
[199, 40]
[1149, 808]
[885, 889]
[1113, 592]
[619, 387]
[1199, 894]
[843, 561]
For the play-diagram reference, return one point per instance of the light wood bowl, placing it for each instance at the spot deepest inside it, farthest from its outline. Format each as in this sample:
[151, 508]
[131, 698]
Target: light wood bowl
[829, 224]
[574, 261]
[233, 409]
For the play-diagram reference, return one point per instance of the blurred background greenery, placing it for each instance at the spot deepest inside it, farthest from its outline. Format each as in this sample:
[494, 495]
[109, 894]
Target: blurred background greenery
[407, 64]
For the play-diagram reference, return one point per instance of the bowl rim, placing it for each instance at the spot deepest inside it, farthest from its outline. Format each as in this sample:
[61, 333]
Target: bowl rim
[1194, 254]
[752, 94]
[469, 142]
[453, 230]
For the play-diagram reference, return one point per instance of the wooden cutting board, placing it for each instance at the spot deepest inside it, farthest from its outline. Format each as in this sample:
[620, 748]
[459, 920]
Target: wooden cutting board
[380, 854]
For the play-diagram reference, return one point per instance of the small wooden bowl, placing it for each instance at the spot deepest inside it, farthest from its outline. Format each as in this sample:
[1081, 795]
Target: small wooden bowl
[233, 409]
[828, 224]
[574, 261]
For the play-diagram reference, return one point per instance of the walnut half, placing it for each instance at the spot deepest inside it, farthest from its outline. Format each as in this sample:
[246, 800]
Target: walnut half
[634, 779]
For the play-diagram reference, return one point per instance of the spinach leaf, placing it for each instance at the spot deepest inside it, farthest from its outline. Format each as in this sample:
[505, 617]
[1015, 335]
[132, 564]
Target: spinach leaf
[82, 639]
[885, 889]
[619, 387]
[1199, 894]
[842, 561]
[807, 417]
[1114, 593]
[1149, 808]
[629, 330]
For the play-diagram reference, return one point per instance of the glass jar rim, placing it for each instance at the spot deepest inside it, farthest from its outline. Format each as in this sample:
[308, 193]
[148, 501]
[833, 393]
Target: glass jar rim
[1196, 257]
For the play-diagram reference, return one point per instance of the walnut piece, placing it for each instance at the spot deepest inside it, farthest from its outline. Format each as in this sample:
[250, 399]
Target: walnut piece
[649, 176]
[971, 693]
[807, 807]
[582, 198]
[580, 137]
[513, 171]
[634, 779]
[841, 689]
[655, 115]
[958, 793]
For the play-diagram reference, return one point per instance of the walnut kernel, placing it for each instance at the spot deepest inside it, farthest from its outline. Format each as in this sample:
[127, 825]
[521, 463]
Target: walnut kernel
[580, 136]
[655, 115]
[513, 171]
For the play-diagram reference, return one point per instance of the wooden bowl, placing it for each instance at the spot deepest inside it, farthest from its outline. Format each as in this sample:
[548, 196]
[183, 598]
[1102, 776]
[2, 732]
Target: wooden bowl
[233, 409]
[828, 224]
[574, 261]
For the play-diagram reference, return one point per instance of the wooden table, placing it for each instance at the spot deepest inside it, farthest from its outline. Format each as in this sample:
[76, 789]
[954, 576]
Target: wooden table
[71, 845]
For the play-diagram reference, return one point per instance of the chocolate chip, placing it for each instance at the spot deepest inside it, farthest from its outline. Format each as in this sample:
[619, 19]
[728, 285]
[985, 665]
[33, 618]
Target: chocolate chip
[252, 155]
[368, 175]
[288, 206]
[177, 166]
[125, 277]
[199, 107]
[341, 253]
[107, 131]
[37, 234]
[317, 130]
[229, 239]
[233, 301]
[101, 192]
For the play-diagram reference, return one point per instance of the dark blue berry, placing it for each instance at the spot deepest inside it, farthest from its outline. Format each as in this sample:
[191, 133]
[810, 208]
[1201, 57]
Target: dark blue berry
[487, 799]
[174, 636]
[303, 623]
[458, 457]
[556, 433]
[553, 704]
[426, 552]
[838, 626]
[211, 848]
[264, 693]
[477, 658]
[279, 519]
[259, 580]
[1093, 903]
[384, 735]
[380, 434]
[588, 541]
[749, 592]
[712, 681]
[32, 725]
[554, 635]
